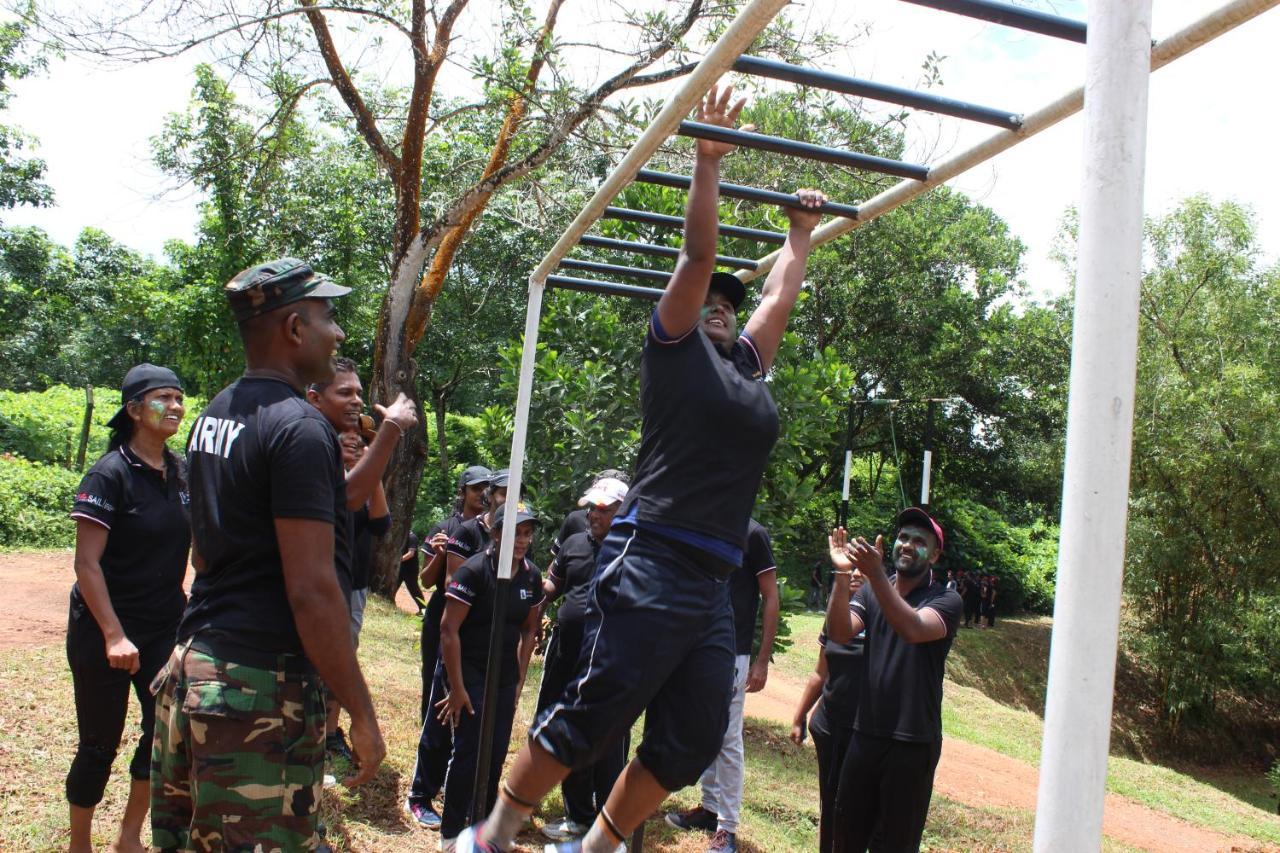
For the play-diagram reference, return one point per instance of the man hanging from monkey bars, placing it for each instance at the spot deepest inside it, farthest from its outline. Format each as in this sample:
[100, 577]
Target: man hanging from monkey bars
[659, 624]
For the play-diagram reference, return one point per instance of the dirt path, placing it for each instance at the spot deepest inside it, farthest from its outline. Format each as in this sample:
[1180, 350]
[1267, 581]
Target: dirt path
[33, 609]
[977, 776]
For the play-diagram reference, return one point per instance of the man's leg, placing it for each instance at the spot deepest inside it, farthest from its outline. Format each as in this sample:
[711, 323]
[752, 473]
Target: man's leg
[907, 787]
[858, 795]
[256, 743]
[727, 770]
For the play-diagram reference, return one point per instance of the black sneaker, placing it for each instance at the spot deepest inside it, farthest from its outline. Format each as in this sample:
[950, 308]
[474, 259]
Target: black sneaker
[336, 745]
[695, 818]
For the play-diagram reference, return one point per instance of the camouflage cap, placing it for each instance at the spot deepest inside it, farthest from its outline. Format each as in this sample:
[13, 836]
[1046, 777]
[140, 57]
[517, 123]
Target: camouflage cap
[269, 286]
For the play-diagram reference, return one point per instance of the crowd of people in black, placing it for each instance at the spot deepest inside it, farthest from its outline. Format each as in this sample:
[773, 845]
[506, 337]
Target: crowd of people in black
[660, 582]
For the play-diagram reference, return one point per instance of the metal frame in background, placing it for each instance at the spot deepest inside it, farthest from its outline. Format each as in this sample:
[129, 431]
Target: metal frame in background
[1076, 661]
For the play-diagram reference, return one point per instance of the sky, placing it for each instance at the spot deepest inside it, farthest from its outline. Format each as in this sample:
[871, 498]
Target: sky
[1204, 133]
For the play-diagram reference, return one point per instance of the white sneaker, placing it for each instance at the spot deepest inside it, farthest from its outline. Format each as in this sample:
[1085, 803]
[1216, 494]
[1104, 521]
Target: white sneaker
[564, 830]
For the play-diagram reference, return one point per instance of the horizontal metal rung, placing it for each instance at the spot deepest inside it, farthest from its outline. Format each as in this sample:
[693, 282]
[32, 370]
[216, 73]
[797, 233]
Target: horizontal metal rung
[614, 269]
[666, 179]
[1012, 16]
[664, 221]
[791, 148]
[658, 251]
[876, 91]
[607, 288]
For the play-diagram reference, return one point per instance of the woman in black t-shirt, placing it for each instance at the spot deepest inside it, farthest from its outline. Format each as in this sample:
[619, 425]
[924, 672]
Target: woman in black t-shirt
[132, 541]
[464, 652]
[662, 639]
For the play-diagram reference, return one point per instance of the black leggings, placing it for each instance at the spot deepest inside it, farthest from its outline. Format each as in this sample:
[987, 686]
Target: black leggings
[831, 740]
[102, 701]
[409, 577]
[585, 790]
[459, 782]
[885, 788]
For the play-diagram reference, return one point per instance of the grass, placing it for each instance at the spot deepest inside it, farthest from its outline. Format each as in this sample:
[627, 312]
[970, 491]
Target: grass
[780, 809]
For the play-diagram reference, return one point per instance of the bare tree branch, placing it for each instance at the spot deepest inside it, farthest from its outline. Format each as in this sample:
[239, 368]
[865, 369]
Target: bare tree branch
[365, 121]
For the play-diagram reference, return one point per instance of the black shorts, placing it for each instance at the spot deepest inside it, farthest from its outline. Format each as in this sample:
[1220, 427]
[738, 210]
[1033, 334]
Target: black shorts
[659, 640]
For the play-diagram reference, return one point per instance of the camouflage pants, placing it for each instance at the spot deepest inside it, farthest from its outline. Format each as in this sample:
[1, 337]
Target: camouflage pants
[238, 757]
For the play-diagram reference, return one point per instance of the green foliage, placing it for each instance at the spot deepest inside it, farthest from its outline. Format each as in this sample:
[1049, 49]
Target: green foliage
[21, 177]
[1023, 558]
[34, 502]
[1205, 500]
[44, 426]
[1273, 779]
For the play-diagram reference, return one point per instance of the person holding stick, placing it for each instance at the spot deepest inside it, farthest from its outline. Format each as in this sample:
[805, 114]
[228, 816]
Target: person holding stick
[465, 633]
[660, 625]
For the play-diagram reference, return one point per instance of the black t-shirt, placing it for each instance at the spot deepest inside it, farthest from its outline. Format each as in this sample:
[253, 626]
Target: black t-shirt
[364, 531]
[148, 538]
[470, 537]
[411, 548]
[474, 584]
[449, 527]
[901, 694]
[574, 522]
[258, 452]
[572, 571]
[744, 586]
[709, 425]
[845, 662]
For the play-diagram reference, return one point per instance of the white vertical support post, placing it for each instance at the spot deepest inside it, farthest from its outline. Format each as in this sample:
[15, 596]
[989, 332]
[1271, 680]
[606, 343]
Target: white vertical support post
[1082, 657]
[925, 478]
[515, 476]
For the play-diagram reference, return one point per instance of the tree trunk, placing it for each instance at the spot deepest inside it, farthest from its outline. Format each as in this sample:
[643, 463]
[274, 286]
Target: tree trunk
[439, 400]
[394, 370]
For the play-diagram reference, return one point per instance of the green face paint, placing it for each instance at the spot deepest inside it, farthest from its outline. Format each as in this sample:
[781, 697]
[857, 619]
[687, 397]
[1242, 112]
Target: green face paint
[157, 409]
[918, 556]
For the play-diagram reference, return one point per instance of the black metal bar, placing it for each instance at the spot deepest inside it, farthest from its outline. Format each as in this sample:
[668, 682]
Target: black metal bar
[1012, 16]
[791, 148]
[664, 221]
[604, 288]
[614, 269]
[666, 179]
[876, 91]
[488, 712]
[659, 251]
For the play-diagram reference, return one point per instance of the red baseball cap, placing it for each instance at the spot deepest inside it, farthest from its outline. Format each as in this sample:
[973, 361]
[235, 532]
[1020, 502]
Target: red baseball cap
[914, 514]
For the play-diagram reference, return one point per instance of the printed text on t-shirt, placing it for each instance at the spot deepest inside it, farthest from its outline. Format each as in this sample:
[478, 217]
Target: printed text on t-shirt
[214, 435]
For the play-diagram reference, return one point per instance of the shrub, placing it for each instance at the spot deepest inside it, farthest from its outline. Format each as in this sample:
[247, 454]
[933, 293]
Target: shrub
[34, 502]
[44, 426]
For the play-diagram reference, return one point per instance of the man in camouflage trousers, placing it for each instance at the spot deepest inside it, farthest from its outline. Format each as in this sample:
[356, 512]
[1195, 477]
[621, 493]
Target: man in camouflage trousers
[238, 755]
[259, 776]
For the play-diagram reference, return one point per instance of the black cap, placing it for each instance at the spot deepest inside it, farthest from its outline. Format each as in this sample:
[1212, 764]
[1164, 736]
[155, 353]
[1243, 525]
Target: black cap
[523, 513]
[731, 286]
[140, 379]
[269, 286]
[499, 478]
[474, 474]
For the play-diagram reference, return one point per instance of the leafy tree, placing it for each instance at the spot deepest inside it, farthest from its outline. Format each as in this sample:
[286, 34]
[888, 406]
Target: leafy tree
[1205, 501]
[533, 88]
[21, 176]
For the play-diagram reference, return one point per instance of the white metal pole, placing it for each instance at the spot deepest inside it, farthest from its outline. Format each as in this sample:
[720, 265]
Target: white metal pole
[925, 478]
[1095, 490]
[1176, 46]
[515, 476]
